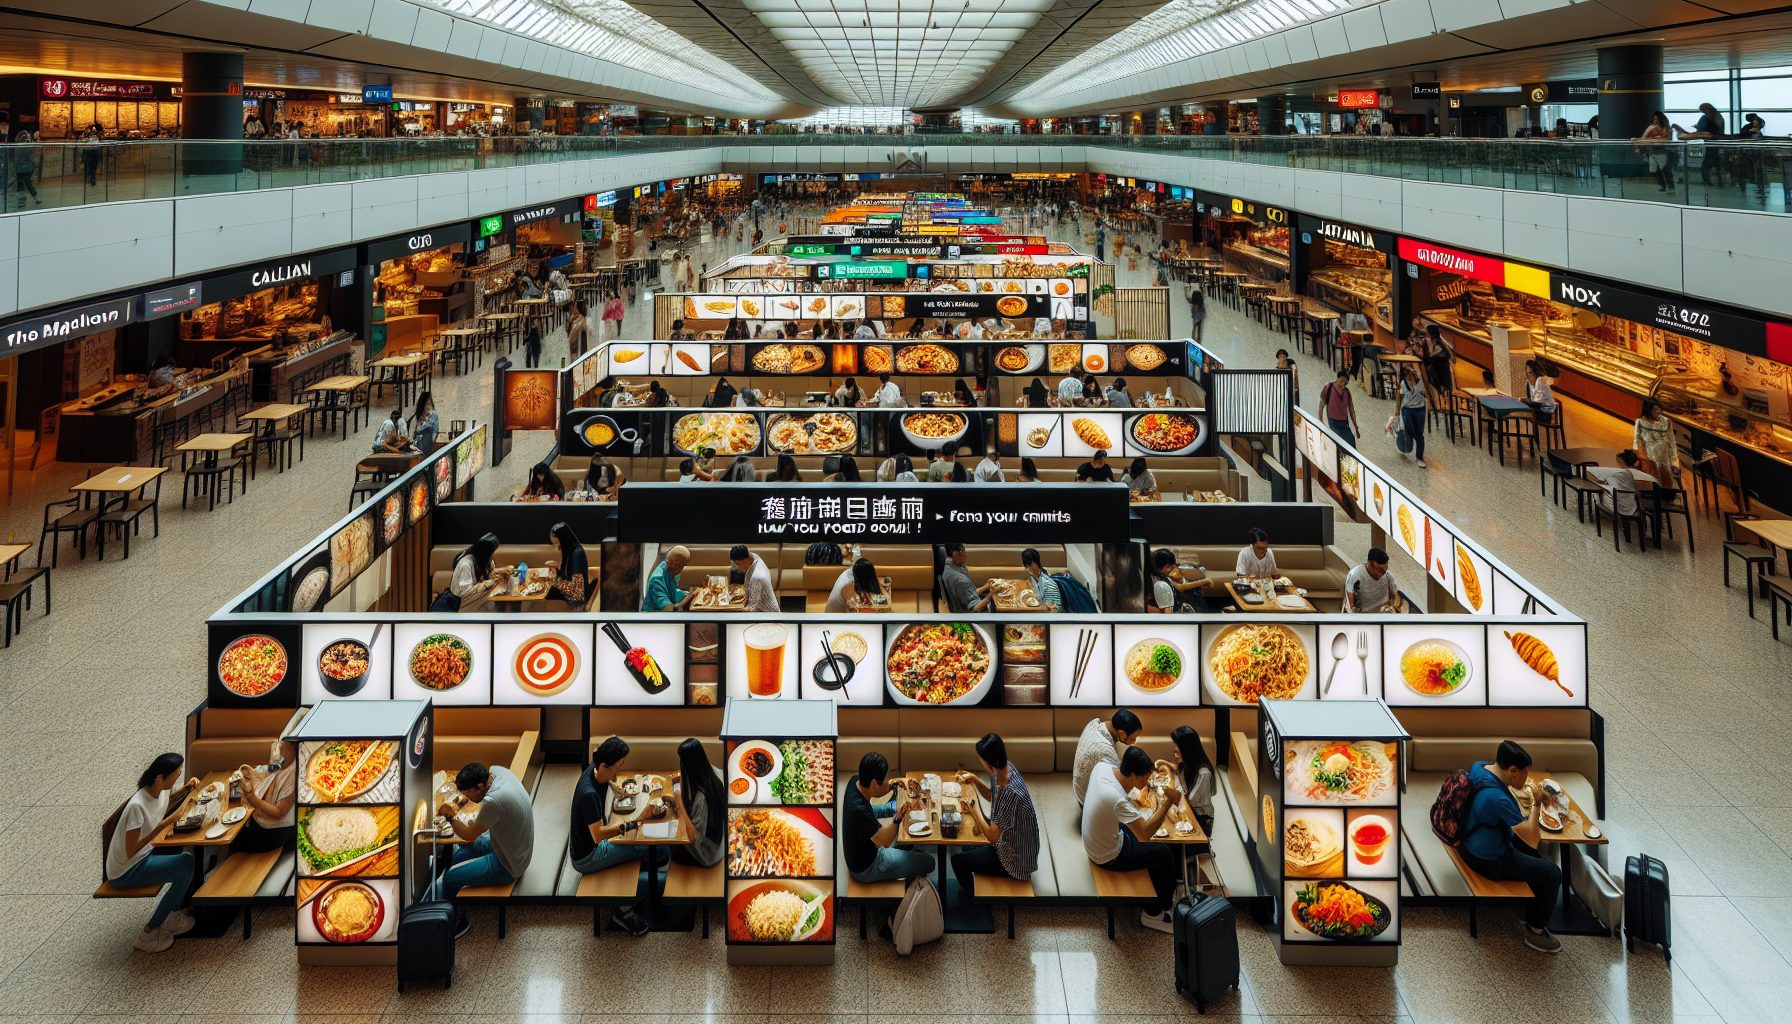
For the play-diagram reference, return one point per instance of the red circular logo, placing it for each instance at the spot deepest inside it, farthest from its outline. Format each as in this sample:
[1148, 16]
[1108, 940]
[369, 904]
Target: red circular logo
[55, 87]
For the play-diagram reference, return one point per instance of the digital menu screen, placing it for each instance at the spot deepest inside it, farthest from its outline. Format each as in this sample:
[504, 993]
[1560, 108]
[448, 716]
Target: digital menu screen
[447, 662]
[1435, 664]
[855, 675]
[543, 664]
[1247, 662]
[1155, 665]
[345, 661]
[780, 773]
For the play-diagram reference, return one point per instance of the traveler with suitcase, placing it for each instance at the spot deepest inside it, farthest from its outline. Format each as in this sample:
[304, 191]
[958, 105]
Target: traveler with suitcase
[1500, 840]
[500, 838]
[1117, 835]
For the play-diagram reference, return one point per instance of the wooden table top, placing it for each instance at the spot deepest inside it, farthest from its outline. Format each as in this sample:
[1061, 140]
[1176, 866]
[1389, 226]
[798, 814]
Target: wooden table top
[1572, 831]
[166, 837]
[128, 478]
[339, 384]
[1257, 286]
[215, 442]
[1777, 532]
[535, 574]
[1147, 802]
[737, 594]
[8, 552]
[681, 836]
[411, 359]
[1482, 392]
[967, 835]
[277, 411]
[1322, 314]
[501, 316]
[1285, 299]
[1400, 358]
[531, 302]
[1017, 601]
[1268, 607]
[460, 332]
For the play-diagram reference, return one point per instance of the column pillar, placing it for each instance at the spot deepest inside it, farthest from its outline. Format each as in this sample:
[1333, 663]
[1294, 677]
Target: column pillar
[1270, 116]
[1630, 90]
[211, 107]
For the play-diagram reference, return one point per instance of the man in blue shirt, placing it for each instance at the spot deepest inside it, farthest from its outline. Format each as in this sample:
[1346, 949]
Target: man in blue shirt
[1501, 840]
[663, 594]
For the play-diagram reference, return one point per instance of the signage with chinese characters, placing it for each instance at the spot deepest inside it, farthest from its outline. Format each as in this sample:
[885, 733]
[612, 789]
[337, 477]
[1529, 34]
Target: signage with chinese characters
[875, 513]
[1358, 99]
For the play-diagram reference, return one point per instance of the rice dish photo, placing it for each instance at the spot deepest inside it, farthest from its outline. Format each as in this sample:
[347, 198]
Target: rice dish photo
[1252, 662]
[938, 663]
[934, 426]
[330, 837]
[773, 916]
[1435, 668]
[1153, 665]
[1165, 432]
[788, 434]
[729, 433]
[252, 666]
[441, 662]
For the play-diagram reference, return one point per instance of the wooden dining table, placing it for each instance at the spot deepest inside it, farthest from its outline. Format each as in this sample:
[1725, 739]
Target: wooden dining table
[339, 393]
[122, 480]
[961, 917]
[1270, 607]
[167, 837]
[683, 833]
[1021, 597]
[1569, 918]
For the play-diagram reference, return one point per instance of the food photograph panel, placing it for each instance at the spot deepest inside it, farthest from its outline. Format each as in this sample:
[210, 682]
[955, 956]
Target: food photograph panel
[854, 676]
[729, 433]
[777, 842]
[702, 655]
[1026, 661]
[1246, 662]
[933, 664]
[1437, 664]
[781, 359]
[463, 464]
[1095, 359]
[815, 433]
[346, 661]
[1409, 528]
[1166, 432]
[1372, 842]
[1327, 773]
[348, 772]
[780, 911]
[1085, 432]
[1019, 359]
[1041, 434]
[762, 661]
[1341, 911]
[1474, 580]
[640, 663]
[710, 307]
[1349, 661]
[1154, 664]
[1082, 665]
[542, 663]
[1511, 599]
[627, 356]
[419, 498]
[348, 841]
[1377, 499]
[308, 585]
[447, 662]
[590, 431]
[253, 664]
[348, 912]
[1439, 546]
[927, 358]
[1534, 664]
[773, 773]
[1313, 843]
[690, 360]
[351, 550]
[919, 431]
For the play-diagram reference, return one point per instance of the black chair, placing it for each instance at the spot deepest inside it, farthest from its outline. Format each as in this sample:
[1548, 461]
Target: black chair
[361, 490]
[1550, 474]
[75, 520]
[1778, 594]
[1605, 507]
[1665, 503]
[1461, 408]
[15, 597]
[279, 444]
[1554, 434]
[206, 478]
[1584, 491]
[1517, 427]
[129, 517]
[1753, 554]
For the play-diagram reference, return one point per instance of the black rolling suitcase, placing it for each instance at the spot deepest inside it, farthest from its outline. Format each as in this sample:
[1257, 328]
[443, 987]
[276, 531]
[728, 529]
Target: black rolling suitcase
[1646, 917]
[426, 938]
[1206, 949]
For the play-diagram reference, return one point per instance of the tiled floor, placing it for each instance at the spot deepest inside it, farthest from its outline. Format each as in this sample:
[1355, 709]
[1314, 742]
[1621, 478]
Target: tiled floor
[1693, 694]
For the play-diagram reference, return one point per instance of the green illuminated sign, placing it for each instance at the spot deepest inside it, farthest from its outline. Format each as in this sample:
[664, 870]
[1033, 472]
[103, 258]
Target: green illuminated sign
[880, 269]
[491, 225]
[810, 250]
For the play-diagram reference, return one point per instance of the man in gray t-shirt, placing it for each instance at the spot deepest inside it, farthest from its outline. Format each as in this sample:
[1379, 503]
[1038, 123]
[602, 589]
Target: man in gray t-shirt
[499, 840]
[1370, 587]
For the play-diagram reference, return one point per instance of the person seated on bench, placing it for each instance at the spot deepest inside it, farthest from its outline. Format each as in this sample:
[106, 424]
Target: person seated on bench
[1117, 835]
[1099, 744]
[1255, 560]
[859, 581]
[131, 865]
[962, 594]
[591, 848]
[1197, 781]
[869, 845]
[1501, 840]
[1370, 587]
[663, 594]
[1051, 599]
[1012, 827]
[762, 596]
[500, 840]
[705, 803]
[271, 796]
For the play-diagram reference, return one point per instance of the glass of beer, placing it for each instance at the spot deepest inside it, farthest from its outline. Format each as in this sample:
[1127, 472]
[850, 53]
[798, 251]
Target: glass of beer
[765, 643]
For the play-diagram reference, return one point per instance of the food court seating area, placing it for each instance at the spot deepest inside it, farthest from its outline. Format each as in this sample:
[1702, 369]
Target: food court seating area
[1319, 568]
[441, 567]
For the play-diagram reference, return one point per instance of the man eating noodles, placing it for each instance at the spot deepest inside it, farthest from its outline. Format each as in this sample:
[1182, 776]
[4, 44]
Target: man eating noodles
[1116, 834]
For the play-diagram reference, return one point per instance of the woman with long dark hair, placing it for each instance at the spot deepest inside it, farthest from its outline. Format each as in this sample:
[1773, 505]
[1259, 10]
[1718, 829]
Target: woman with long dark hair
[787, 471]
[848, 394]
[1165, 589]
[571, 569]
[603, 477]
[474, 576]
[1037, 394]
[723, 395]
[700, 790]
[847, 473]
[1197, 779]
[854, 588]
[544, 482]
[130, 864]
[963, 391]
[1029, 473]
[1660, 158]
[905, 470]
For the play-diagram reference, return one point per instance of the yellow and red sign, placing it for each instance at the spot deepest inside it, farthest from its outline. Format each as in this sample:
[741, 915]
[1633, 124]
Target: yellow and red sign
[1519, 277]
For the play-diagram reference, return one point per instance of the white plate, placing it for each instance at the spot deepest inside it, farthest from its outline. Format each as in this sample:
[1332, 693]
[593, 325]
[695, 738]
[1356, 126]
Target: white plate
[216, 831]
[919, 828]
[1290, 601]
[234, 815]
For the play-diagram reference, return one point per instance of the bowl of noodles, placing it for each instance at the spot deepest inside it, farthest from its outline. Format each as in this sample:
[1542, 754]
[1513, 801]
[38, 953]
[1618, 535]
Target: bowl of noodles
[1338, 771]
[934, 429]
[729, 433]
[1251, 662]
[932, 664]
[781, 910]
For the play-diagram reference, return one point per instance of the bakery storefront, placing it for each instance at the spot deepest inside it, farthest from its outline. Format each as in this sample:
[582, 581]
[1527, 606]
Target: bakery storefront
[66, 107]
[418, 284]
[1252, 235]
[1349, 267]
[279, 311]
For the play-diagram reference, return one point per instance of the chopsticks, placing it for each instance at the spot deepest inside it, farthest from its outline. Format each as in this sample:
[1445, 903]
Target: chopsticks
[365, 754]
[1085, 650]
[614, 632]
[827, 649]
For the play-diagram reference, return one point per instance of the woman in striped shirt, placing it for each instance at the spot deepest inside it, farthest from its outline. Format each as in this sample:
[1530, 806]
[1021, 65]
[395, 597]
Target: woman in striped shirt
[1012, 826]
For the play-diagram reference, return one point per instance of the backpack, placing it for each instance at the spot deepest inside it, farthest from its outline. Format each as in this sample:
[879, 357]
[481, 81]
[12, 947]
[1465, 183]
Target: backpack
[920, 918]
[1074, 596]
[1449, 812]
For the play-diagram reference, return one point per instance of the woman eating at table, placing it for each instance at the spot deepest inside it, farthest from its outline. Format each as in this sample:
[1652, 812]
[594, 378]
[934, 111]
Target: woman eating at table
[571, 569]
[1138, 479]
[1197, 780]
[1654, 438]
[700, 790]
[1168, 591]
[603, 477]
[424, 424]
[544, 482]
[1038, 395]
[271, 792]
[391, 440]
[1537, 392]
[474, 576]
[130, 864]
[1012, 826]
[854, 588]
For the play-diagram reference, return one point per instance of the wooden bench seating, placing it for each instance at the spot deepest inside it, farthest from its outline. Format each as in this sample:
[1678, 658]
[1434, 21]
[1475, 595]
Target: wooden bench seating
[247, 880]
[607, 888]
[539, 883]
[689, 885]
[1120, 887]
[1486, 890]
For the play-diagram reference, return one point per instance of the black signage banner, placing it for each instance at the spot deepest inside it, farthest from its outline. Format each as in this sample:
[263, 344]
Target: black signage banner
[1222, 207]
[544, 211]
[961, 304]
[1324, 230]
[1704, 321]
[417, 241]
[172, 299]
[278, 272]
[902, 513]
[1427, 90]
[57, 326]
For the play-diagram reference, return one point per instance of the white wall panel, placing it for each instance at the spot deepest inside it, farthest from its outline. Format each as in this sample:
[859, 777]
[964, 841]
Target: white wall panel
[290, 10]
[1456, 14]
[385, 206]
[1454, 214]
[1742, 258]
[86, 250]
[393, 19]
[464, 41]
[1536, 228]
[1370, 201]
[433, 29]
[229, 228]
[1626, 241]
[323, 215]
[1329, 36]
[343, 15]
[9, 264]
[1363, 28]
[1317, 193]
[492, 42]
[1302, 46]
[1406, 19]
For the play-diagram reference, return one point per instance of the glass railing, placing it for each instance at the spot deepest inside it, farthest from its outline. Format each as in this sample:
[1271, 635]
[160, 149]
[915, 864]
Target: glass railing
[1725, 175]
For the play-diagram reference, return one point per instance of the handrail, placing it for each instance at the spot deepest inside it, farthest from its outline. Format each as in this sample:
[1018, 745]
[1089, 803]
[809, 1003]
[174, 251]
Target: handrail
[1752, 175]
